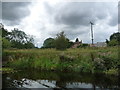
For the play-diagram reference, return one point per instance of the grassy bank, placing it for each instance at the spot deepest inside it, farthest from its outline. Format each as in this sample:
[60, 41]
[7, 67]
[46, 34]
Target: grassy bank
[79, 60]
[6, 70]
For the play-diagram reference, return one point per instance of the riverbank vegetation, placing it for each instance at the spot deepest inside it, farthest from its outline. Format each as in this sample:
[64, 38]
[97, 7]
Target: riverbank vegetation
[7, 70]
[57, 54]
[16, 39]
[104, 59]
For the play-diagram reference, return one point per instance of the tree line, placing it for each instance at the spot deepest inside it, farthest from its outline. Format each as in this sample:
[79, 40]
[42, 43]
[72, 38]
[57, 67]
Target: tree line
[16, 39]
[62, 43]
[114, 39]
[20, 40]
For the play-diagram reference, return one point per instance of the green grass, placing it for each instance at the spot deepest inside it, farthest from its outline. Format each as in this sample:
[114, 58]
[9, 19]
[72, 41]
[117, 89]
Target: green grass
[78, 60]
[7, 70]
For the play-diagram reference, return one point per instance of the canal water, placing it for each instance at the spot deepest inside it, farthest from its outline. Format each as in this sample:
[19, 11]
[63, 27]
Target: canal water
[59, 80]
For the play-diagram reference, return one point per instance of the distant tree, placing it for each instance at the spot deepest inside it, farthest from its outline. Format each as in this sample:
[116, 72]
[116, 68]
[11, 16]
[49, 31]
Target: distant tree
[114, 39]
[17, 35]
[49, 43]
[70, 44]
[17, 44]
[16, 39]
[29, 45]
[61, 42]
[113, 42]
[115, 36]
[6, 43]
[77, 40]
[4, 38]
[4, 32]
[20, 39]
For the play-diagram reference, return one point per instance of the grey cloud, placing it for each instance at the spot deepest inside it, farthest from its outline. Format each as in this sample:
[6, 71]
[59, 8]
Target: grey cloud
[113, 21]
[119, 22]
[77, 15]
[75, 32]
[49, 9]
[114, 14]
[80, 13]
[119, 12]
[14, 12]
[72, 14]
[0, 11]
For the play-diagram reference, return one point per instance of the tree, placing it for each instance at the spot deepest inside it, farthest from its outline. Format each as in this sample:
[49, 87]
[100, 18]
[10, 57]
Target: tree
[70, 44]
[6, 43]
[61, 42]
[16, 39]
[20, 39]
[49, 43]
[17, 35]
[5, 33]
[114, 39]
[113, 42]
[115, 36]
[29, 45]
[4, 38]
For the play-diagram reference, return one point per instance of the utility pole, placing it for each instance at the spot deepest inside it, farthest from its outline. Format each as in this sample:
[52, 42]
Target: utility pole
[92, 31]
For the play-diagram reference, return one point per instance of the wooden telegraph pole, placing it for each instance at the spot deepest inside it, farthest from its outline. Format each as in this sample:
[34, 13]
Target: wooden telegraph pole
[92, 31]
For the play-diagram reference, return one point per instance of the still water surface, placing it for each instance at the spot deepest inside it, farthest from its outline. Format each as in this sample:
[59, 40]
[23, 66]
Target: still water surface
[47, 79]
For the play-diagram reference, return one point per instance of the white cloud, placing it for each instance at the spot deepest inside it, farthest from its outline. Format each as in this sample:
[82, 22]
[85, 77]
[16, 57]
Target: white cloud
[43, 21]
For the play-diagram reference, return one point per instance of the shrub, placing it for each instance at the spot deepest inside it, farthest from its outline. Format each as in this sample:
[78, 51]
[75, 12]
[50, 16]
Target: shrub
[61, 42]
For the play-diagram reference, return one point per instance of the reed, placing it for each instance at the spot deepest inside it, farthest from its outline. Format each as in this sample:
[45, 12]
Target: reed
[79, 60]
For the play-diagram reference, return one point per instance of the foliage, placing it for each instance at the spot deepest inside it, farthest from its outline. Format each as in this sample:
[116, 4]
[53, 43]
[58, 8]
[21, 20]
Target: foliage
[29, 45]
[20, 40]
[99, 64]
[112, 71]
[70, 44]
[113, 42]
[103, 59]
[114, 39]
[4, 37]
[7, 70]
[49, 43]
[5, 33]
[61, 42]
[115, 36]
[16, 39]
[6, 43]
[17, 35]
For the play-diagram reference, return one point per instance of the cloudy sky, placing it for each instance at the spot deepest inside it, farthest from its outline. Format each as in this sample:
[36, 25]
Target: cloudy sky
[45, 19]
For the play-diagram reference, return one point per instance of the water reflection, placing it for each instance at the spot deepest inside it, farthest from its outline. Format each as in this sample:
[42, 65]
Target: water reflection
[40, 79]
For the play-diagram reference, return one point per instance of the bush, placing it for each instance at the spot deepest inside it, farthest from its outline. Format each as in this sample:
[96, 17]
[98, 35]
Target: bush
[61, 42]
[113, 42]
[66, 58]
[84, 59]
